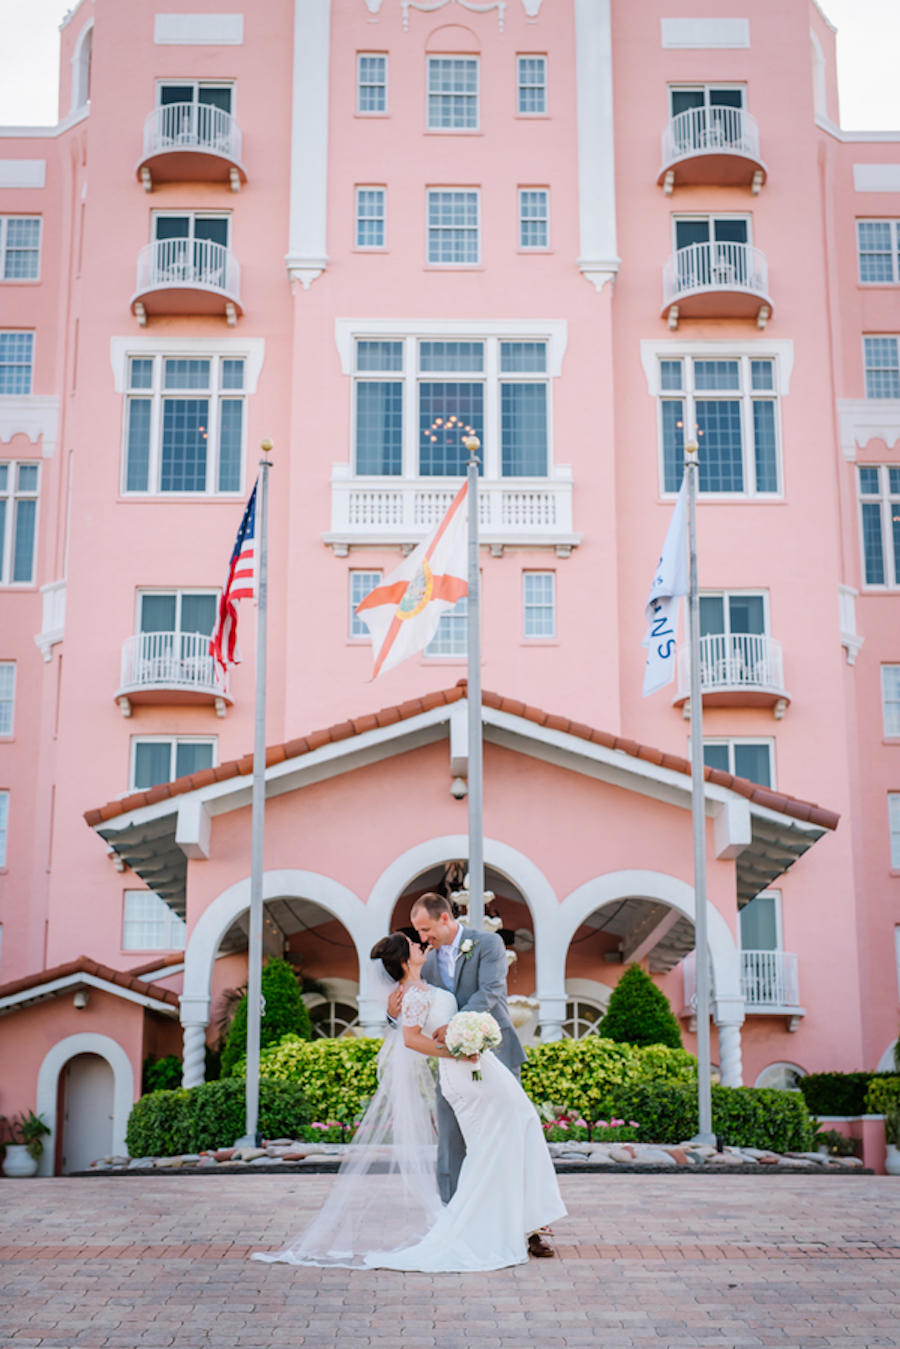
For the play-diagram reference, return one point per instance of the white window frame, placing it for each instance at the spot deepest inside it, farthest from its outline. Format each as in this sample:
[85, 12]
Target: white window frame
[710, 217]
[894, 828]
[192, 216]
[8, 730]
[468, 262]
[534, 248]
[372, 112]
[410, 332]
[890, 699]
[171, 925]
[449, 628]
[362, 635]
[453, 130]
[779, 930]
[12, 495]
[730, 742]
[884, 499]
[520, 85]
[358, 218]
[4, 827]
[177, 593]
[4, 231]
[173, 741]
[736, 592]
[196, 85]
[27, 332]
[526, 606]
[882, 337]
[894, 249]
[692, 86]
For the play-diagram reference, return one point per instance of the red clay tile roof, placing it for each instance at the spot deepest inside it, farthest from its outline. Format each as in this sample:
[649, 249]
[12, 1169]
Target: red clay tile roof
[161, 963]
[389, 716]
[84, 965]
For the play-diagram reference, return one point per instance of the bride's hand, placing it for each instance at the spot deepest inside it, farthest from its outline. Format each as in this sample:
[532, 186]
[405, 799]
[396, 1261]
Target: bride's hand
[395, 1003]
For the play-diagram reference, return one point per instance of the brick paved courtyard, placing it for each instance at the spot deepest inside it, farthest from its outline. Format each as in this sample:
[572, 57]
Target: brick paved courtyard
[678, 1261]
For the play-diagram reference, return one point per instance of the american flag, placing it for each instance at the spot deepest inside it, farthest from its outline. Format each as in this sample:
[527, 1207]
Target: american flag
[240, 584]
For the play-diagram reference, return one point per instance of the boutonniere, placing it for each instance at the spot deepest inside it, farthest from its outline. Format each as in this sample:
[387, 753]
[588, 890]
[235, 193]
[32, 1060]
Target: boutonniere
[466, 947]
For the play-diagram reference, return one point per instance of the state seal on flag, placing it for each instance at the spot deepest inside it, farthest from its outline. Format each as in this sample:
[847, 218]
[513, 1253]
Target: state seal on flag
[418, 593]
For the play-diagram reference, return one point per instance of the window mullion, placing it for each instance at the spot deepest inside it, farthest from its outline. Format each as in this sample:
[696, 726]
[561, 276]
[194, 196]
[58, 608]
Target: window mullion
[410, 466]
[490, 464]
[156, 419]
[5, 552]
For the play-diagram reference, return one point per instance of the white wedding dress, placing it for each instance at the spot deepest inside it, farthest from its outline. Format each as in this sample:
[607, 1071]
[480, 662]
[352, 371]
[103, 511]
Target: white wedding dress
[507, 1185]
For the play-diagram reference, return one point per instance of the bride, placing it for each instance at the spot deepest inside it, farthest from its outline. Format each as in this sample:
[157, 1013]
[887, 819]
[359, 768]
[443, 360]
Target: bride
[384, 1211]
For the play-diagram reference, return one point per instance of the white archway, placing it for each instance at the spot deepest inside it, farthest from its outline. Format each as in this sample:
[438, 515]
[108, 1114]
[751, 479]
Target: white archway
[886, 1062]
[56, 1059]
[219, 916]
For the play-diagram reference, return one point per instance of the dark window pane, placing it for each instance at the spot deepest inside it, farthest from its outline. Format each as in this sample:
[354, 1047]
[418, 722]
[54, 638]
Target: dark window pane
[764, 446]
[712, 615]
[23, 544]
[138, 453]
[231, 421]
[716, 756]
[192, 758]
[184, 439]
[873, 545]
[198, 613]
[158, 613]
[747, 613]
[152, 763]
[753, 762]
[721, 463]
[447, 413]
[379, 427]
[523, 430]
[673, 443]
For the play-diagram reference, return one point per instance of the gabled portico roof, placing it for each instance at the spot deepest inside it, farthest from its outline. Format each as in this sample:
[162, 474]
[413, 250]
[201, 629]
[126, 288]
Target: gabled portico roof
[156, 831]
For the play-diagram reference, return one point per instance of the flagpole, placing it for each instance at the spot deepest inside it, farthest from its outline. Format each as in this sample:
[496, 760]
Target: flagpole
[698, 812]
[254, 946]
[473, 646]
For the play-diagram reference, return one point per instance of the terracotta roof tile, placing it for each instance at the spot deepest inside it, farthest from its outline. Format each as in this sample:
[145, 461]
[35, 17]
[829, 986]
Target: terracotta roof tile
[85, 965]
[389, 716]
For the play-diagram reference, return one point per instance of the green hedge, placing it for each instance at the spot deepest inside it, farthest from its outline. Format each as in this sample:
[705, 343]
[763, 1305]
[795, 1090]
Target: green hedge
[745, 1117]
[587, 1076]
[285, 1014]
[639, 1013]
[883, 1096]
[336, 1076]
[840, 1093]
[166, 1123]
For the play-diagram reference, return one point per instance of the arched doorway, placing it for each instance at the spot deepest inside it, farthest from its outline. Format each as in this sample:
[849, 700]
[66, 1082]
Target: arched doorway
[88, 1102]
[88, 1044]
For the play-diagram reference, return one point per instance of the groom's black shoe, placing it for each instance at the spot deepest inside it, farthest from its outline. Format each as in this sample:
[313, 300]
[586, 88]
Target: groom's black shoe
[539, 1248]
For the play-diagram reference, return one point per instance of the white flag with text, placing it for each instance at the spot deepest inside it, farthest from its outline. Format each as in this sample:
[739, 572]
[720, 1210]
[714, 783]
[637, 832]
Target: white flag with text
[670, 582]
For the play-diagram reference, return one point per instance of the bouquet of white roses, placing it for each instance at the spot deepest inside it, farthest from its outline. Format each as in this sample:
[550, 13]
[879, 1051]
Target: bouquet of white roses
[471, 1033]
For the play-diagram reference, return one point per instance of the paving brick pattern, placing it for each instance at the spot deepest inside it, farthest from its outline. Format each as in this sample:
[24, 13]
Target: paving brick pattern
[668, 1261]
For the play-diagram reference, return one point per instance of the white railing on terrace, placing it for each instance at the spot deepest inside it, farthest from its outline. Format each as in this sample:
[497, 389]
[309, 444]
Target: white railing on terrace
[192, 126]
[167, 660]
[715, 266]
[192, 263]
[510, 509]
[734, 660]
[704, 131]
[768, 979]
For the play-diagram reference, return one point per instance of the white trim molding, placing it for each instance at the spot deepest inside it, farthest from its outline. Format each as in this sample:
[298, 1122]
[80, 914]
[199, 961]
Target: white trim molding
[703, 34]
[35, 415]
[252, 349]
[653, 350]
[555, 331]
[850, 638]
[876, 177]
[48, 1086]
[598, 258]
[23, 172]
[865, 419]
[198, 30]
[307, 257]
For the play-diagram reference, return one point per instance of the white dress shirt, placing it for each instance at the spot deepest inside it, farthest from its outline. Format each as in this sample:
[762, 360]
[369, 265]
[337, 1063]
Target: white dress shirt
[447, 957]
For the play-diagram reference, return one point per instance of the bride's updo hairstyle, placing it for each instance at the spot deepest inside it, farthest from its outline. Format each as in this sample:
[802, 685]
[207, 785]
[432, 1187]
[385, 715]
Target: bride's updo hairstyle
[393, 952]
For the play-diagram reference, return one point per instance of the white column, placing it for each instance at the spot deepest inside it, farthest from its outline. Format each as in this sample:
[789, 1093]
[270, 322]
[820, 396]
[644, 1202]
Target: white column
[729, 1020]
[598, 254]
[551, 1015]
[194, 1021]
[306, 256]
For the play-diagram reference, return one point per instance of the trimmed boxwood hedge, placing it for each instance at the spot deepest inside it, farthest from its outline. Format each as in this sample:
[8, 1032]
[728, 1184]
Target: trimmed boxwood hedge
[166, 1123]
[285, 1014]
[840, 1093]
[588, 1075]
[883, 1095]
[744, 1117]
[337, 1077]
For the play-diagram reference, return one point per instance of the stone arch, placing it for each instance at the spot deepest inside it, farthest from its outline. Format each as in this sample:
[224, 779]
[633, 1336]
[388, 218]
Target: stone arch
[81, 67]
[86, 1042]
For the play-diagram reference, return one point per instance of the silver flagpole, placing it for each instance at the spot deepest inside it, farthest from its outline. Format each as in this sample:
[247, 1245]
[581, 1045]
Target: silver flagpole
[254, 947]
[698, 812]
[473, 640]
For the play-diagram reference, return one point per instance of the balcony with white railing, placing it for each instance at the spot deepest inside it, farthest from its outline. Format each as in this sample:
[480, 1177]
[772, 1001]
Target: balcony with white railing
[191, 143]
[175, 668]
[716, 280]
[187, 276]
[737, 669]
[769, 985]
[711, 147]
[525, 512]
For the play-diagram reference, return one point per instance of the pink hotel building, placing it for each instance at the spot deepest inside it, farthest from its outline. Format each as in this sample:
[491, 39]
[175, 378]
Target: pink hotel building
[580, 226]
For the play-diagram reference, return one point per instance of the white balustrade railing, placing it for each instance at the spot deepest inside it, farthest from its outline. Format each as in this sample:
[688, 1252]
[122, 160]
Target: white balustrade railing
[192, 126]
[703, 131]
[734, 660]
[768, 979]
[194, 263]
[405, 510]
[715, 266]
[168, 660]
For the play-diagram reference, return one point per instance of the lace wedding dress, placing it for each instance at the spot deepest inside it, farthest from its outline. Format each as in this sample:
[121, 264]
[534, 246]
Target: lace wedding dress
[507, 1185]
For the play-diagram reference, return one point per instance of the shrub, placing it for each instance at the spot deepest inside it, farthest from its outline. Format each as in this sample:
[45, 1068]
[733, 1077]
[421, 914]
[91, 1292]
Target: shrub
[161, 1074]
[285, 1014]
[748, 1117]
[212, 1115]
[883, 1096]
[839, 1093]
[586, 1075]
[639, 1013]
[837, 1144]
[337, 1076]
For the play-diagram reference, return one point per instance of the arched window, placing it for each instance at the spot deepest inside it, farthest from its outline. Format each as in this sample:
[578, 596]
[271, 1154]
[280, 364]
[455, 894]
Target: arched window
[582, 1018]
[331, 1020]
[782, 1076]
[81, 68]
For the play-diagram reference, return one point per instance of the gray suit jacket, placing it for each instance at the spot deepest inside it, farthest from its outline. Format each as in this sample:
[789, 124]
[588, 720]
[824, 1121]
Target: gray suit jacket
[480, 986]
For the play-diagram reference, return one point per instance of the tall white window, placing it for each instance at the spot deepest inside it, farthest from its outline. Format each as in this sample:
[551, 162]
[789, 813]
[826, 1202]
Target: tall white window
[761, 924]
[361, 582]
[752, 759]
[539, 603]
[371, 82]
[158, 758]
[184, 424]
[879, 505]
[16, 359]
[454, 227]
[148, 924]
[453, 93]
[534, 217]
[882, 359]
[531, 86]
[7, 696]
[416, 399]
[19, 484]
[4, 825]
[370, 214]
[734, 406]
[20, 247]
[894, 824]
[450, 638]
[890, 699]
[878, 243]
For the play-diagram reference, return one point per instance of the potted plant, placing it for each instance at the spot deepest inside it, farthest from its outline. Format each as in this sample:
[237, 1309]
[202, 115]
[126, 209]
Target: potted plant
[892, 1142]
[24, 1133]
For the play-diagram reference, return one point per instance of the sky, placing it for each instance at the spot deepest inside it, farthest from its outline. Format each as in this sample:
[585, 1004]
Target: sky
[868, 56]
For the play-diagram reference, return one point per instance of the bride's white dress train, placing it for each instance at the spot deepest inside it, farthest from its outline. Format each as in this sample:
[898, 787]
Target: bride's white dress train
[507, 1185]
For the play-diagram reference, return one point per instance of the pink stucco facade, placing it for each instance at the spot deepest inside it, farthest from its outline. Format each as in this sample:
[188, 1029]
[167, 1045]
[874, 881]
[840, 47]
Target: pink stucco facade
[333, 223]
